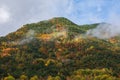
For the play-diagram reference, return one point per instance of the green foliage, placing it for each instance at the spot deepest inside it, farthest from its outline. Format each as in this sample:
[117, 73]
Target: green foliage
[9, 78]
[104, 77]
[34, 49]
[23, 77]
[34, 78]
[95, 74]
[53, 78]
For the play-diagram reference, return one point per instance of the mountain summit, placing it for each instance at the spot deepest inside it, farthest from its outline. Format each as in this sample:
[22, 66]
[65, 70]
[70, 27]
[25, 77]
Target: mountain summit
[58, 49]
[47, 26]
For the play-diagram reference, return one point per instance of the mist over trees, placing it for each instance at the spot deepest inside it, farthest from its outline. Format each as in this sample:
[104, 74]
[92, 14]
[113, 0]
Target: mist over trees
[58, 49]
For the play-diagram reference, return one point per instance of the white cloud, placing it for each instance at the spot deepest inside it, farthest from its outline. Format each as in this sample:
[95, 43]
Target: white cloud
[21, 12]
[107, 31]
[4, 15]
[29, 11]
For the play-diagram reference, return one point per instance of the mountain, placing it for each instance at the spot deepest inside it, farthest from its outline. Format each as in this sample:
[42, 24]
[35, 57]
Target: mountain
[58, 49]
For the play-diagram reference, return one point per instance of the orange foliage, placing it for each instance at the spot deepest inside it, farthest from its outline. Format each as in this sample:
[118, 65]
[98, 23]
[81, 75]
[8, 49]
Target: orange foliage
[52, 21]
[113, 40]
[43, 50]
[45, 37]
[6, 52]
[59, 27]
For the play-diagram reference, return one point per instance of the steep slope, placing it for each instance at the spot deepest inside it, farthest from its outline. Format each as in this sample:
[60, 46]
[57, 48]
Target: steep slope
[48, 26]
[57, 47]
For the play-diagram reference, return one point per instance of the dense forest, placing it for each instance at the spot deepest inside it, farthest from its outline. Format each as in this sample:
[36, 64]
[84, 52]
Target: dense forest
[58, 49]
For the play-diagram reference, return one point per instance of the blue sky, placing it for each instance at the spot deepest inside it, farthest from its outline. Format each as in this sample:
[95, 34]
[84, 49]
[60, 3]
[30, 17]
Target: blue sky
[92, 11]
[15, 13]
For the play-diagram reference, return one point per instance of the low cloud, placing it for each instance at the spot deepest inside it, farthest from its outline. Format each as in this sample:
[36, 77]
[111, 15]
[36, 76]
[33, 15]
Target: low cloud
[104, 31]
[107, 30]
[28, 38]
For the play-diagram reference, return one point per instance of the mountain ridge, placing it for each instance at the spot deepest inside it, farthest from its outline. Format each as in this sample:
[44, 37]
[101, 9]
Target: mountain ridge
[59, 48]
[58, 21]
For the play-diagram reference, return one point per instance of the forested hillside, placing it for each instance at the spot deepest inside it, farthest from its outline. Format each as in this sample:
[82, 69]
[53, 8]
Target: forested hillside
[58, 49]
